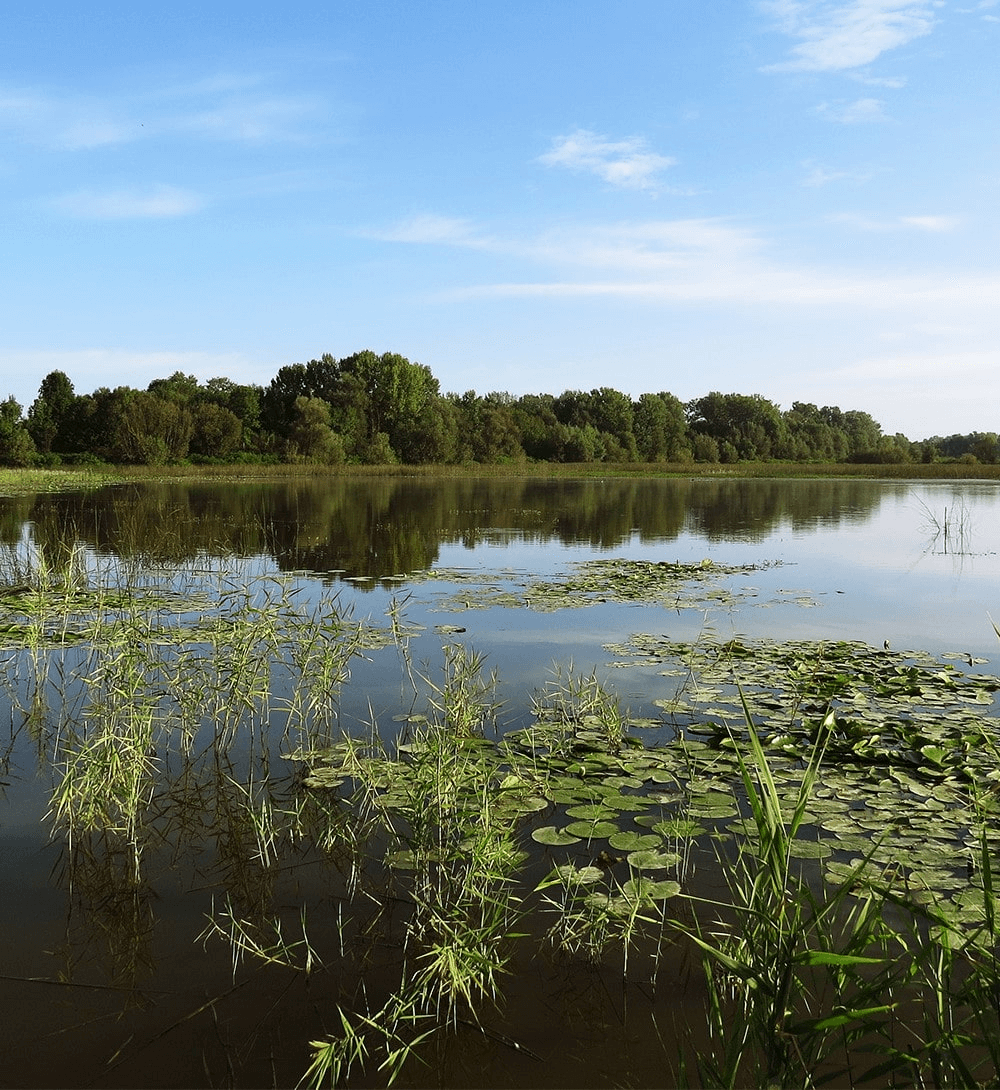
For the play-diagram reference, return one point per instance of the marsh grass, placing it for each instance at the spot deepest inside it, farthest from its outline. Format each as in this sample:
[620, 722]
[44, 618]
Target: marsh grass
[153, 679]
[12, 481]
[795, 981]
[582, 709]
[441, 808]
[950, 532]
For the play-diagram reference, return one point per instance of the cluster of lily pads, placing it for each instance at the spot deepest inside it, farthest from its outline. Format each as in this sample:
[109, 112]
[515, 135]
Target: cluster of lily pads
[909, 777]
[675, 584]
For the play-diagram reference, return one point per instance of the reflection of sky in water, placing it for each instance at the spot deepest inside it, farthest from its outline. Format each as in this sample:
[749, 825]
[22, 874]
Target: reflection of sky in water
[887, 576]
[884, 577]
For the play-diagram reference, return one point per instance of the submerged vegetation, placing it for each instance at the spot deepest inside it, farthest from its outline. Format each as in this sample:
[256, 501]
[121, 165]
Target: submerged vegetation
[799, 842]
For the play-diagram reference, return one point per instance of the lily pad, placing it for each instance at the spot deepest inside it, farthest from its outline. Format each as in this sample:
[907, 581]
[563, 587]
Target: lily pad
[633, 842]
[553, 837]
[644, 889]
[652, 860]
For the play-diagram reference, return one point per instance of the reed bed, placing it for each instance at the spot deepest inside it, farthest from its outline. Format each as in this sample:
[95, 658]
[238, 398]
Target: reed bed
[16, 481]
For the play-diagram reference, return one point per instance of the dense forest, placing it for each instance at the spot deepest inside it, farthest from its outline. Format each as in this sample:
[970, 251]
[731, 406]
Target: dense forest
[383, 409]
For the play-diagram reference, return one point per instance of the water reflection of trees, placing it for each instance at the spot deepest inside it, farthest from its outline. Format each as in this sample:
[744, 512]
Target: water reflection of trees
[386, 526]
[729, 510]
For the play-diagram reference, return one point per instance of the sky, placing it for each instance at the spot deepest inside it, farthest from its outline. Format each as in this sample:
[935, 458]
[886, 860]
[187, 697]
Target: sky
[791, 198]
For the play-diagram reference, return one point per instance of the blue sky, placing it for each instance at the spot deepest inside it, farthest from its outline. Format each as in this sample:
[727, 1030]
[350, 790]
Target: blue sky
[796, 198]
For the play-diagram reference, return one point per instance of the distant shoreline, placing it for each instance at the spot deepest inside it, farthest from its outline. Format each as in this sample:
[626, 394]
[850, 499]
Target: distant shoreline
[68, 478]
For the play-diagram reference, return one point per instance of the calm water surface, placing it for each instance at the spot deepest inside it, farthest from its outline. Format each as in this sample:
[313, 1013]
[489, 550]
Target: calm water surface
[142, 1002]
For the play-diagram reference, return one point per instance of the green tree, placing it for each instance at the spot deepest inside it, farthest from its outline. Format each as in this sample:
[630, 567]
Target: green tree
[179, 388]
[541, 434]
[144, 429]
[433, 436]
[16, 445]
[241, 400]
[986, 447]
[660, 428]
[311, 438]
[216, 432]
[750, 423]
[811, 436]
[608, 412]
[863, 433]
[395, 390]
[84, 427]
[705, 448]
[489, 427]
[49, 410]
[278, 400]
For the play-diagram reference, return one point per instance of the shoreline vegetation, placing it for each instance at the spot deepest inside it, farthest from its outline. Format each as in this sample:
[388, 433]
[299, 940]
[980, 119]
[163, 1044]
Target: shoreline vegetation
[71, 478]
[382, 410]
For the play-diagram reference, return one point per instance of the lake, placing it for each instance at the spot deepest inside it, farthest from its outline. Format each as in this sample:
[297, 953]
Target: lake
[140, 941]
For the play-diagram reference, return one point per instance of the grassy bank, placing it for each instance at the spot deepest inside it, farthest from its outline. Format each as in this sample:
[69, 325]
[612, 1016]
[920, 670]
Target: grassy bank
[63, 479]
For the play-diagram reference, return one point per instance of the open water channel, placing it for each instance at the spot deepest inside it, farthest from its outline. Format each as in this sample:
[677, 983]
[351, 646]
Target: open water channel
[110, 972]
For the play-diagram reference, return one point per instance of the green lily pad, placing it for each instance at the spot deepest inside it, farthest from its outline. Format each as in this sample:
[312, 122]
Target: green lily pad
[653, 860]
[633, 842]
[644, 889]
[592, 830]
[553, 837]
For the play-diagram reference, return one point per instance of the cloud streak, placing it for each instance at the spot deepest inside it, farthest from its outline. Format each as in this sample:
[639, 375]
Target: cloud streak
[931, 224]
[703, 261]
[158, 202]
[627, 164]
[219, 109]
[836, 36]
[863, 111]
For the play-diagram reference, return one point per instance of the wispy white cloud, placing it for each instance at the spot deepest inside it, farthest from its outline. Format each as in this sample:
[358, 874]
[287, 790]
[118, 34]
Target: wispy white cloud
[819, 175]
[863, 111]
[225, 109]
[71, 122]
[932, 224]
[246, 118]
[834, 35]
[157, 202]
[710, 261]
[627, 163]
[428, 228]
[894, 83]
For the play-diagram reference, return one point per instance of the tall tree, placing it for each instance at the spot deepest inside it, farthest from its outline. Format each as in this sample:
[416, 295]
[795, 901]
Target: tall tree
[144, 429]
[48, 411]
[751, 425]
[16, 445]
[396, 391]
[312, 439]
[178, 387]
[660, 428]
[216, 432]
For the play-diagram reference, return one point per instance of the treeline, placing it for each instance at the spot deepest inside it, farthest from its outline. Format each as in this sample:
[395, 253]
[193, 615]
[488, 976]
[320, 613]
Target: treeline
[383, 409]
